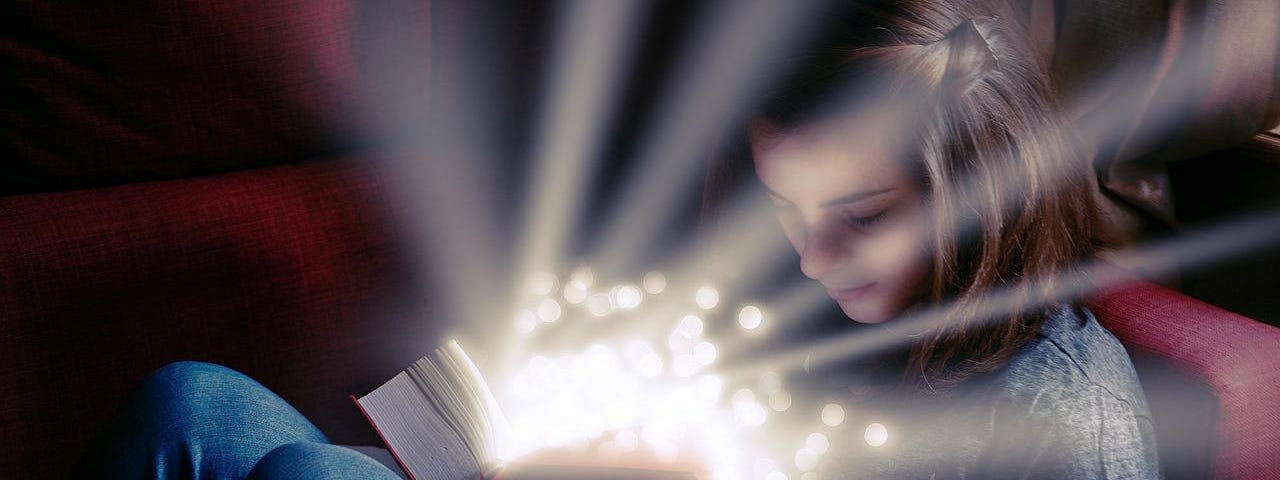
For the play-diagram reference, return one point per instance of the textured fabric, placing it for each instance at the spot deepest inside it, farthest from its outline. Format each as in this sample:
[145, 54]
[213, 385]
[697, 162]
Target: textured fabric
[1213, 376]
[1150, 82]
[194, 420]
[102, 93]
[1068, 405]
[319, 461]
[289, 274]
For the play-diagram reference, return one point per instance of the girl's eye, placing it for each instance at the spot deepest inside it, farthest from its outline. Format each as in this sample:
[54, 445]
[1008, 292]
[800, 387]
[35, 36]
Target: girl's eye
[865, 222]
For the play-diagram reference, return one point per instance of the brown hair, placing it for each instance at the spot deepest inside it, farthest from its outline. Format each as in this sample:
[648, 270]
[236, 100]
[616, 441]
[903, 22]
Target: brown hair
[1009, 193]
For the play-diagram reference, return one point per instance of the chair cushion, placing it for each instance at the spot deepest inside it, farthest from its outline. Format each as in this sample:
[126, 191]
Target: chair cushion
[292, 275]
[1211, 376]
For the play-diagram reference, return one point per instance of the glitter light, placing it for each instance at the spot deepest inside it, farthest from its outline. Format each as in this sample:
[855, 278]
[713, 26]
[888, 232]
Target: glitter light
[626, 297]
[690, 326]
[750, 317]
[817, 443]
[684, 365]
[707, 297]
[598, 304]
[654, 283]
[806, 460]
[582, 275]
[780, 400]
[876, 434]
[549, 310]
[650, 365]
[832, 415]
[704, 353]
[575, 292]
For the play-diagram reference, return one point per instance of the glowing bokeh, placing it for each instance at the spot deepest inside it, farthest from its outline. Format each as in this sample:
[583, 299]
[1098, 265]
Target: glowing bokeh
[876, 434]
[575, 292]
[832, 415]
[780, 400]
[817, 443]
[654, 283]
[750, 317]
[599, 305]
[704, 353]
[626, 297]
[707, 297]
[549, 310]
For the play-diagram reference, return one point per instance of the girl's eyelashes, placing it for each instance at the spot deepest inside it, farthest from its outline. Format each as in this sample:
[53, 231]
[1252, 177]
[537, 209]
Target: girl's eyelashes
[864, 222]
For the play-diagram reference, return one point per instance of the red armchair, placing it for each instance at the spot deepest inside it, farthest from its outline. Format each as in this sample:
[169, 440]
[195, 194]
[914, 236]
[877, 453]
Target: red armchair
[1212, 378]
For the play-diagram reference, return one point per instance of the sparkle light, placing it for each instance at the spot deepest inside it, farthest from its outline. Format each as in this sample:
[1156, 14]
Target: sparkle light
[876, 434]
[708, 388]
[704, 353]
[684, 365]
[817, 443]
[598, 304]
[775, 475]
[806, 460]
[575, 292]
[549, 310]
[626, 297]
[750, 317]
[707, 297]
[654, 283]
[832, 415]
[780, 400]
[690, 326]
[650, 365]
[582, 275]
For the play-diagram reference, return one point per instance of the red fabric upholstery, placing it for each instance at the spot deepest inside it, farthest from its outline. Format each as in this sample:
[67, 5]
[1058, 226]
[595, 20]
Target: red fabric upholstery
[99, 92]
[1213, 378]
[290, 274]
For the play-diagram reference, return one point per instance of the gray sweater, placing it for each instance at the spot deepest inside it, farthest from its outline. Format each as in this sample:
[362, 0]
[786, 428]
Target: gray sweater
[1068, 405]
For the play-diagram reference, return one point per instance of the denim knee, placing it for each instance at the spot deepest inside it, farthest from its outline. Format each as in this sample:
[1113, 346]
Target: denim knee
[318, 461]
[196, 420]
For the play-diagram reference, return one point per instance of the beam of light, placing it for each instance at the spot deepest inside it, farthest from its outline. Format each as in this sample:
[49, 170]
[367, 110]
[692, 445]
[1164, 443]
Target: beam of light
[593, 45]
[1195, 250]
[713, 81]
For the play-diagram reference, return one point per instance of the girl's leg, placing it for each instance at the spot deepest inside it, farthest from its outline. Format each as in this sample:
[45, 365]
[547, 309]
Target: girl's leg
[192, 420]
[318, 461]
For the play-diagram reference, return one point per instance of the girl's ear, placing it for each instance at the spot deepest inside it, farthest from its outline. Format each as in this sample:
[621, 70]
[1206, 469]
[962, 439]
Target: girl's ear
[970, 57]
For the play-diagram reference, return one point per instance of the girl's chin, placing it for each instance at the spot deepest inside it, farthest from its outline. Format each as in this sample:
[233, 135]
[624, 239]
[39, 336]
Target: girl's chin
[865, 311]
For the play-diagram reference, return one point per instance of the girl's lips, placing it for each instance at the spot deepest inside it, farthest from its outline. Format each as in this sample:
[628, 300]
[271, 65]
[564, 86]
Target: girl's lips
[850, 294]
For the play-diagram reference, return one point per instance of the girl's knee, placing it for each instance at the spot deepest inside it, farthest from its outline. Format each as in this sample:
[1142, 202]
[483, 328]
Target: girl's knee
[318, 461]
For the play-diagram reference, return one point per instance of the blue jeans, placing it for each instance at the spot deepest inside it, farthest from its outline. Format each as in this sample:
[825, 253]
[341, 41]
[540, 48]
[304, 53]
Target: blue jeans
[192, 420]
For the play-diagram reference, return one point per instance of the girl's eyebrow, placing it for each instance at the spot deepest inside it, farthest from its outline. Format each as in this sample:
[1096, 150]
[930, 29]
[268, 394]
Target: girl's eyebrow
[857, 196]
[845, 199]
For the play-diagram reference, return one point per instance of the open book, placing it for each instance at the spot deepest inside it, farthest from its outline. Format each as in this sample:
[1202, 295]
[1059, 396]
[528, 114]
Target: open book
[440, 421]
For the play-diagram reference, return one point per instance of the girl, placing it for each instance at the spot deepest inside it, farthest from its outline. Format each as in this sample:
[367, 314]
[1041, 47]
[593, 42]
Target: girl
[918, 164]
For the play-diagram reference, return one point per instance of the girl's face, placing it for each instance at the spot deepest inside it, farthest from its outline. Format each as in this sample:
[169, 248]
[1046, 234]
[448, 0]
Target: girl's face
[850, 209]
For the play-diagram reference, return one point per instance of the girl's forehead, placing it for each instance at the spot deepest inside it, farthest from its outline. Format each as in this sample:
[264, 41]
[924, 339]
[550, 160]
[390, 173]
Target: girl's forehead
[813, 164]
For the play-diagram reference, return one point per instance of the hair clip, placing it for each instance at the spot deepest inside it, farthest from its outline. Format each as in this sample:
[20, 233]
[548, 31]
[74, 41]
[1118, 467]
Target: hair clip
[970, 57]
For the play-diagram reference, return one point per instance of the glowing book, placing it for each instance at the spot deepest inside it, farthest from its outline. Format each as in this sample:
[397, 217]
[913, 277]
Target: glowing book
[440, 421]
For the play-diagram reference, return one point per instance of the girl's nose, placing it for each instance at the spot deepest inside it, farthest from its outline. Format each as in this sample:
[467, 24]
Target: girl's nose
[823, 252]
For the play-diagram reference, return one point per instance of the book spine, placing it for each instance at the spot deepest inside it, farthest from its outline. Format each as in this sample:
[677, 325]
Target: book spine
[382, 437]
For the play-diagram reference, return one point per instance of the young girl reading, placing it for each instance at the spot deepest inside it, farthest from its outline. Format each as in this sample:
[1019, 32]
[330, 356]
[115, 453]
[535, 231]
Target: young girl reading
[918, 163]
